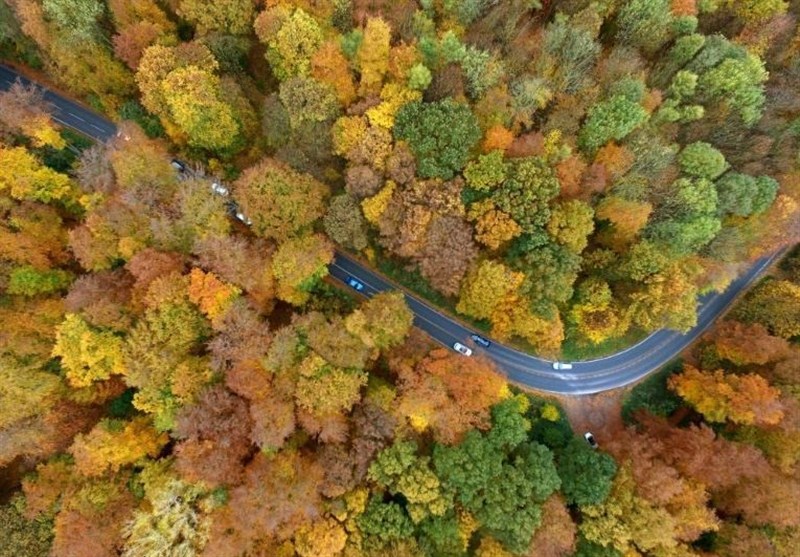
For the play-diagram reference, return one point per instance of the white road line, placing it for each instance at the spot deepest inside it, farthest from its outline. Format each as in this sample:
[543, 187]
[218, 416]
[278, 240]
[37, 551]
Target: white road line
[76, 116]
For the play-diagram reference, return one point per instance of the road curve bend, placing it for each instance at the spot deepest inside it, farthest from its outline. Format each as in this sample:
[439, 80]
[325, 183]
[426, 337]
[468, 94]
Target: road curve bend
[585, 377]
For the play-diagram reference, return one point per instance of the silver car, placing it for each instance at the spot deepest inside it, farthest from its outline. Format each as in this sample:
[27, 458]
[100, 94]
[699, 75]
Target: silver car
[561, 365]
[219, 189]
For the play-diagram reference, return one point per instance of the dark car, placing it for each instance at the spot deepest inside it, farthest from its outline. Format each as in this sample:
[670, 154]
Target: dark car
[480, 340]
[355, 284]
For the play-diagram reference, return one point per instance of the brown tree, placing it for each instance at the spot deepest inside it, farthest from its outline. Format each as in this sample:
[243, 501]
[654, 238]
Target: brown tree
[436, 394]
[278, 495]
[215, 438]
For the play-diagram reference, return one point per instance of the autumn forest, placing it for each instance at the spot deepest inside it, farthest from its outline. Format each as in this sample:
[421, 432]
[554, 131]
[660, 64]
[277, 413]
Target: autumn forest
[181, 376]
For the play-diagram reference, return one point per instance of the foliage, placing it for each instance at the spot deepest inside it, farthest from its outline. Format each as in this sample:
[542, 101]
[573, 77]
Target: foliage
[526, 193]
[702, 160]
[743, 195]
[175, 382]
[614, 118]
[87, 354]
[280, 201]
[439, 134]
[298, 264]
[743, 399]
[652, 395]
[29, 281]
[775, 304]
[585, 474]
[291, 39]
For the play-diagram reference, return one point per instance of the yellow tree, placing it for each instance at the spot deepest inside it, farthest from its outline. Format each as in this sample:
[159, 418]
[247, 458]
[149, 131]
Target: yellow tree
[212, 296]
[595, 314]
[299, 264]
[292, 38]
[627, 218]
[485, 287]
[382, 321]
[22, 109]
[495, 228]
[328, 65]
[226, 16]
[570, 224]
[372, 58]
[323, 538]
[743, 399]
[112, 444]
[181, 86]
[513, 317]
[373, 207]
[280, 201]
[393, 97]
[24, 177]
[323, 389]
[87, 354]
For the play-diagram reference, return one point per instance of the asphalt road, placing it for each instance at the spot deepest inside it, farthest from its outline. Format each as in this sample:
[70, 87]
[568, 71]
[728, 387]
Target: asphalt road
[586, 377]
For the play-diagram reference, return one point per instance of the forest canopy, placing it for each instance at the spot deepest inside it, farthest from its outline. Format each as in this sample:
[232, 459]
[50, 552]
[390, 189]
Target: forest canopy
[180, 376]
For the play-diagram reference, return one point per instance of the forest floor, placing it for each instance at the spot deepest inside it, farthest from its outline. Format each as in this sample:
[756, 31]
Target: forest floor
[601, 413]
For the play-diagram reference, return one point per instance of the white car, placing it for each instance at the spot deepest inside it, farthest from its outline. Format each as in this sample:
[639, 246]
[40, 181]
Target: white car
[219, 189]
[241, 216]
[461, 349]
[590, 439]
[561, 365]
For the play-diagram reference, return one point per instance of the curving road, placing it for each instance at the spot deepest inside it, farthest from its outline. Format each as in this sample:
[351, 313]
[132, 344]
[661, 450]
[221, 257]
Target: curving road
[586, 377]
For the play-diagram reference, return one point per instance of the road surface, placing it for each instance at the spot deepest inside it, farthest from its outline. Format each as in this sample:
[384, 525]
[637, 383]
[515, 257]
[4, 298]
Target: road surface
[586, 377]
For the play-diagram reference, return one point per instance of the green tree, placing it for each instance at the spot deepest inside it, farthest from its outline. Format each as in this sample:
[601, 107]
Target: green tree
[572, 51]
[77, 18]
[550, 272]
[614, 118]
[701, 160]
[737, 83]
[644, 24]
[419, 77]
[571, 223]
[743, 195]
[440, 135]
[29, 281]
[487, 171]
[586, 474]
[482, 70]
[384, 523]
[400, 470]
[22, 536]
[526, 193]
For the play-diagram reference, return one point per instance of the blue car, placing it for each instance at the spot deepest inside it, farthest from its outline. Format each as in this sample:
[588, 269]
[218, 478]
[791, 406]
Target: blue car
[355, 284]
[480, 340]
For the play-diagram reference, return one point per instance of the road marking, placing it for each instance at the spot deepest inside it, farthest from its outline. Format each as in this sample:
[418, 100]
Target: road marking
[75, 116]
